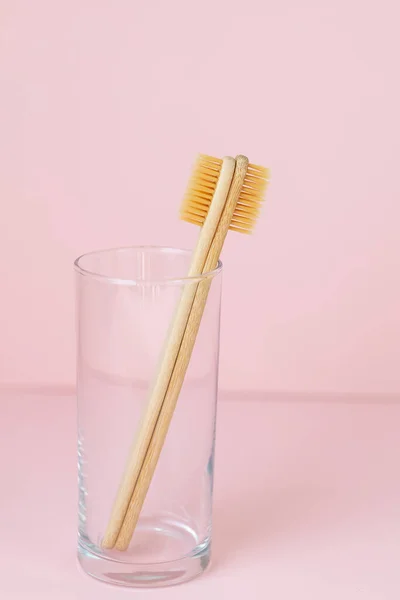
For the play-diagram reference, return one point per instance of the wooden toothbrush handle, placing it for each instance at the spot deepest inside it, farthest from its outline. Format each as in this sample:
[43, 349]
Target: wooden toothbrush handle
[168, 358]
[168, 406]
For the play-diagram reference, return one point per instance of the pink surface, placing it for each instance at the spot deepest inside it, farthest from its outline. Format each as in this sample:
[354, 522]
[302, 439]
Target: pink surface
[103, 108]
[307, 502]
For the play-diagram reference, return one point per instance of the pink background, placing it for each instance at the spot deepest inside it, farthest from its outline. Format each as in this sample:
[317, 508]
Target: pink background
[103, 108]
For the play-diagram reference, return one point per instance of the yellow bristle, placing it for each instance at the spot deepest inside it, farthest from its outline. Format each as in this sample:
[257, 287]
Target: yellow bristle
[201, 188]
[250, 199]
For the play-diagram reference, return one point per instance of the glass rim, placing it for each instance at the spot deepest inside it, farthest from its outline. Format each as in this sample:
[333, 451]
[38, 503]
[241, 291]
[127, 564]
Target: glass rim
[136, 281]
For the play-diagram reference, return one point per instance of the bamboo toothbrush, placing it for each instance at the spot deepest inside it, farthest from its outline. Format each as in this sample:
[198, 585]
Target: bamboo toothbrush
[211, 181]
[239, 214]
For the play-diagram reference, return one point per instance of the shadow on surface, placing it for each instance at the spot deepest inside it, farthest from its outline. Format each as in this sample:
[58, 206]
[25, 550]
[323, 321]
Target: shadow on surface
[259, 519]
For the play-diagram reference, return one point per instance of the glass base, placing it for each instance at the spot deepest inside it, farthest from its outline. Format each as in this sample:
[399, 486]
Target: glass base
[142, 565]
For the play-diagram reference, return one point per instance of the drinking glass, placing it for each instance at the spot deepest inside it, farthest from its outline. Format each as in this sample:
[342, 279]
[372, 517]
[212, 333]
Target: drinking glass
[126, 300]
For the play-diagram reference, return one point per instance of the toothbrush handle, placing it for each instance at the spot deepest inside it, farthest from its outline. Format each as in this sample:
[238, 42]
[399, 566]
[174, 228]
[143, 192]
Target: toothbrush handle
[168, 406]
[169, 357]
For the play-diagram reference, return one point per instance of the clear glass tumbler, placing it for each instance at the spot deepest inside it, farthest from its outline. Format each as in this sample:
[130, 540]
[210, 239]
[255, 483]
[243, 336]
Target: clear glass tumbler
[126, 299]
